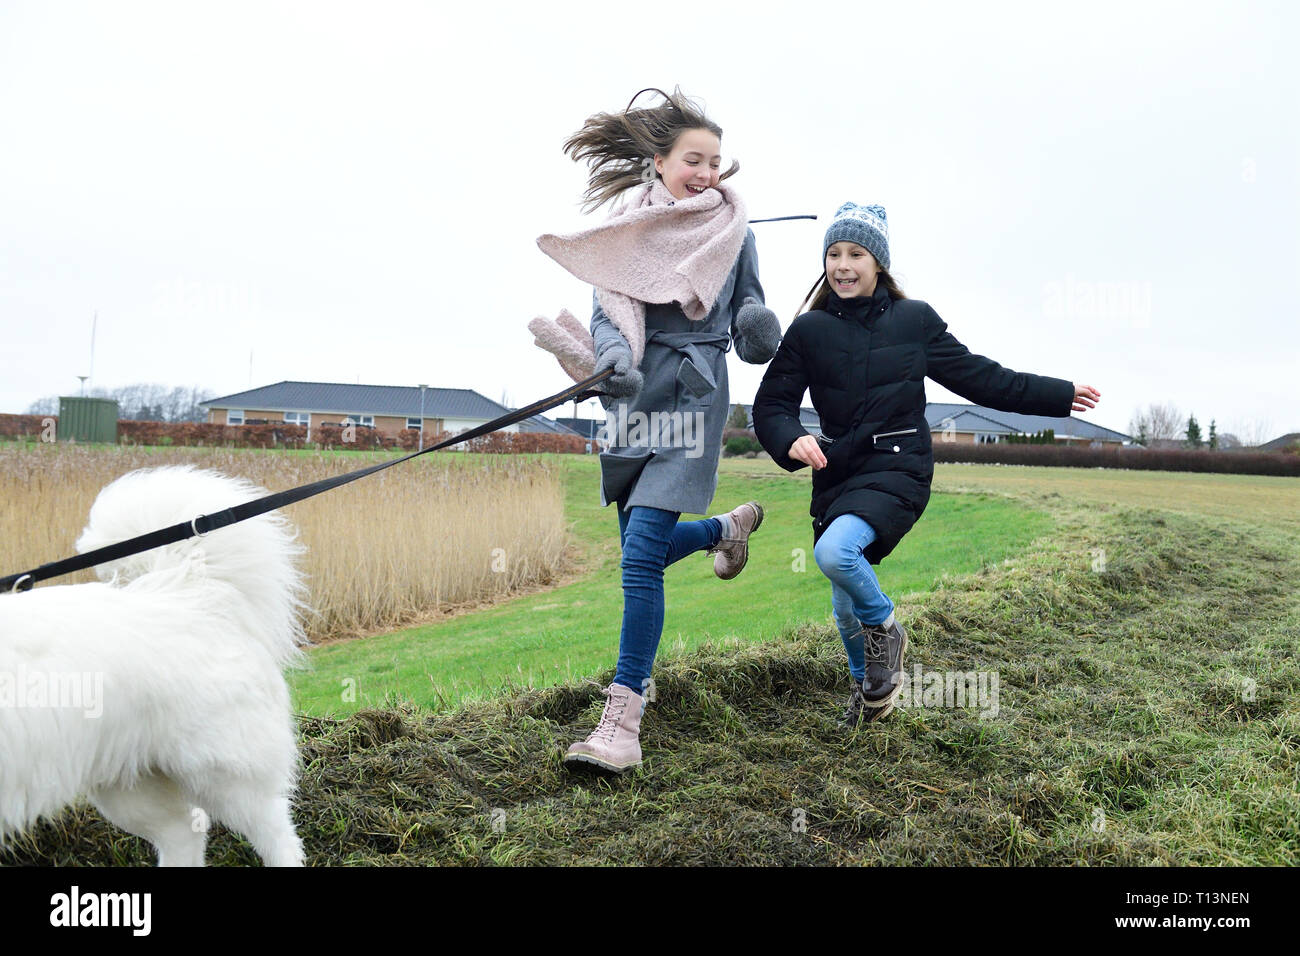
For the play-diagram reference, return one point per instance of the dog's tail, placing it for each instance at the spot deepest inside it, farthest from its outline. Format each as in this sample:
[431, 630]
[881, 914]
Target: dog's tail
[248, 570]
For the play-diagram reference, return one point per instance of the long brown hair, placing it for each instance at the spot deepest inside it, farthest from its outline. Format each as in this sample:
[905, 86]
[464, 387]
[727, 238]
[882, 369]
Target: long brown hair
[617, 145]
[821, 291]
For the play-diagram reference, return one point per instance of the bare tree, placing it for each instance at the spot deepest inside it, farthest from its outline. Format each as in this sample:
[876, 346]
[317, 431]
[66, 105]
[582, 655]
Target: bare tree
[1253, 433]
[1166, 423]
[192, 411]
[142, 402]
[49, 405]
[1157, 423]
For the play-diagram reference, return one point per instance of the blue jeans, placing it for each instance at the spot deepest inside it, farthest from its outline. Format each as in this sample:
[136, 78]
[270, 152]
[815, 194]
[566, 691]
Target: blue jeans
[856, 597]
[651, 539]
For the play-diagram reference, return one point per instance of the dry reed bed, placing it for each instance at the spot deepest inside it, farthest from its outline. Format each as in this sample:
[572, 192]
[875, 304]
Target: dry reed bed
[383, 551]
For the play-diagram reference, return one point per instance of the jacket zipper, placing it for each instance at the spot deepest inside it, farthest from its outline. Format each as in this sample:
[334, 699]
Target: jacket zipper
[905, 431]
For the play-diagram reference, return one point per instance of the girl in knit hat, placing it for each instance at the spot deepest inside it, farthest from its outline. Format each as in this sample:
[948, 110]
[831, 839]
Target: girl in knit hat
[675, 272]
[863, 350]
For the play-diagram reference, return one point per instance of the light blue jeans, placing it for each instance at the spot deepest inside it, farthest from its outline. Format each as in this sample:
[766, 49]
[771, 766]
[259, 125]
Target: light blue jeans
[856, 597]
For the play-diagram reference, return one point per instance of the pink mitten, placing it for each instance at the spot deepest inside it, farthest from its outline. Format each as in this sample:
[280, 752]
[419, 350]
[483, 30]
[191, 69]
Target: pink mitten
[569, 341]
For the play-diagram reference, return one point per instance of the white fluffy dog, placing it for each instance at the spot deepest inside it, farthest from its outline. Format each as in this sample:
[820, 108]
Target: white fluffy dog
[159, 694]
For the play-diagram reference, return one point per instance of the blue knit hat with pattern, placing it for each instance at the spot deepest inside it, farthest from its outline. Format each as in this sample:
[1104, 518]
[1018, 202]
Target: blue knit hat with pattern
[865, 225]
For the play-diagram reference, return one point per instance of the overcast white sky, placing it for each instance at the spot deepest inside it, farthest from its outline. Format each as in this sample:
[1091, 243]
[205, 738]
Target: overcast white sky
[1105, 192]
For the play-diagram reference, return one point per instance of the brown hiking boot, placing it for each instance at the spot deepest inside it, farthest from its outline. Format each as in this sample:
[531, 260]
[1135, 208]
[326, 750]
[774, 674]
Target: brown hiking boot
[732, 550]
[614, 746]
[857, 711]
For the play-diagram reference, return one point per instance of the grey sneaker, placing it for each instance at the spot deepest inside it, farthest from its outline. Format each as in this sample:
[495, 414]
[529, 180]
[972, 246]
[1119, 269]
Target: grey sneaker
[885, 646]
[732, 550]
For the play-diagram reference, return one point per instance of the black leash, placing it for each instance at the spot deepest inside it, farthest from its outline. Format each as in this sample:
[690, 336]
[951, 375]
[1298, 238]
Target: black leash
[202, 524]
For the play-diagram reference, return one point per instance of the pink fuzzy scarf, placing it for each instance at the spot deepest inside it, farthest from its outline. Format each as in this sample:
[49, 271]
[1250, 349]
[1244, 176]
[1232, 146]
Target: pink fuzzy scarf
[654, 248]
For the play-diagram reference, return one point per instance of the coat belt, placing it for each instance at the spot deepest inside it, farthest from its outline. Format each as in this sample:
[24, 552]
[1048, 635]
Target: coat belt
[695, 372]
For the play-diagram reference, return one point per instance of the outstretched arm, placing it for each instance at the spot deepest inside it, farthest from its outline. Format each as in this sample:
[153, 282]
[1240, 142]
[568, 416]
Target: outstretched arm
[987, 383]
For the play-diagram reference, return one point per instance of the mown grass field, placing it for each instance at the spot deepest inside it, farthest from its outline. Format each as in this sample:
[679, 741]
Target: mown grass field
[1147, 641]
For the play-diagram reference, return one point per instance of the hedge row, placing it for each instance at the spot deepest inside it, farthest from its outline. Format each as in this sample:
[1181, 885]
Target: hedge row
[295, 436]
[201, 433]
[736, 441]
[508, 443]
[1147, 459]
[739, 441]
[24, 426]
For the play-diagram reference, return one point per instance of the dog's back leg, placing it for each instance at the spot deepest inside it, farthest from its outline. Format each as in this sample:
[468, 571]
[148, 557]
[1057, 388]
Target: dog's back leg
[157, 810]
[262, 815]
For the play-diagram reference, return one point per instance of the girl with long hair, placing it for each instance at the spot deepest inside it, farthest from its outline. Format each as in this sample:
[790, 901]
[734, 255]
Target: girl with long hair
[675, 272]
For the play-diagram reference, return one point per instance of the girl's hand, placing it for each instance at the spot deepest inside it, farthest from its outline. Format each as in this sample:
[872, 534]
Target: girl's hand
[806, 450]
[626, 380]
[1085, 397]
[760, 332]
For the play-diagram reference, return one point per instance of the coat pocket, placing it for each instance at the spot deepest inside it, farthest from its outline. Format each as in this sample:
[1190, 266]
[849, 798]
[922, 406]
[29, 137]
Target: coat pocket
[840, 456]
[694, 379]
[693, 390]
[831, 447]
[619, 472]
[891, 441]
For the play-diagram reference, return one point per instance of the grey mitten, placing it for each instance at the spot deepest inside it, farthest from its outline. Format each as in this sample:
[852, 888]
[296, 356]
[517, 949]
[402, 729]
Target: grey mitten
[626, 380]
[759, 332]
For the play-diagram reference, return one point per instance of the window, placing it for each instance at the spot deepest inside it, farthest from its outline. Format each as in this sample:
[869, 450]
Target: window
[234, 416]
[413, 423]
[984, 439]
[360, 420]
[296, 418]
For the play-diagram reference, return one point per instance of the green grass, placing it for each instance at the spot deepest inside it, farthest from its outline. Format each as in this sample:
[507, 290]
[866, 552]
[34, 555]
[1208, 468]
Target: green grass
[1148, 715]
[1146, 638]
[572, 631]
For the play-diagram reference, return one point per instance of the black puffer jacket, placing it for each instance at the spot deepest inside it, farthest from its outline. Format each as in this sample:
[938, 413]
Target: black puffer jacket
[865, 361]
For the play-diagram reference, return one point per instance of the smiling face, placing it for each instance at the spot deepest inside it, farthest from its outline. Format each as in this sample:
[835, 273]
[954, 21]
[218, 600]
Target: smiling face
[693, 164]
[851, 270]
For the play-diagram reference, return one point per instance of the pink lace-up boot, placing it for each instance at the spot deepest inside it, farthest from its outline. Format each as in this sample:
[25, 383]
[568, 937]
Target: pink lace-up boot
[614, 746]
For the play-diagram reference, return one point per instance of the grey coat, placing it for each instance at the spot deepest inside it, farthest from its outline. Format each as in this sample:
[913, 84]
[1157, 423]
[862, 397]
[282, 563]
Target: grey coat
[664, 443]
